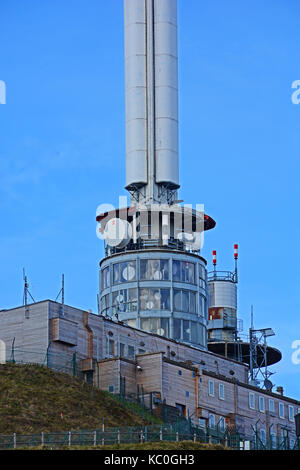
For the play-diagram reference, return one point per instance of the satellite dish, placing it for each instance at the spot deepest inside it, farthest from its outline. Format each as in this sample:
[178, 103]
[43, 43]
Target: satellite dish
[128, 273]
[268, 385]
[193, 241]
[120, 298]
[160, 331]
[117, 233]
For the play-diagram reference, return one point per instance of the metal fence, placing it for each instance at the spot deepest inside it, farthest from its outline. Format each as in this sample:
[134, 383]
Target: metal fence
[108, 436]
[112, 436]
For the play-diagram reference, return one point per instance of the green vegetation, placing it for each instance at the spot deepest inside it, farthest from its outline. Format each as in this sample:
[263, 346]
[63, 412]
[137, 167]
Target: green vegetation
[36, 399]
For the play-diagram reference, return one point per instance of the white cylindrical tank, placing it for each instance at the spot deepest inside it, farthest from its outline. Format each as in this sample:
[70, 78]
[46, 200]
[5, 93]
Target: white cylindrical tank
[222, 294]
[135, 92]
[166, 92]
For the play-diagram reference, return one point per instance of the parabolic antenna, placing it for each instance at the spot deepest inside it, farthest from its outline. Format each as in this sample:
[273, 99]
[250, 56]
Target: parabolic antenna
[117, 233]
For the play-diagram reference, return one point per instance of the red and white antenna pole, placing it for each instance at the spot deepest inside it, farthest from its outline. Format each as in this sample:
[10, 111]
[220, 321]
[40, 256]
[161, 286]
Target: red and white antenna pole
[235, 260]
[214, 260]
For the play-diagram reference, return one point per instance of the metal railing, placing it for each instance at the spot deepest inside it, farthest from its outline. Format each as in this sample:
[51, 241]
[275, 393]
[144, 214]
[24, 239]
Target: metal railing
[135, 435]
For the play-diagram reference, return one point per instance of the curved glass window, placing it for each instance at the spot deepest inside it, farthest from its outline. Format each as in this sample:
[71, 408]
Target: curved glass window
[154, 270]
[159, 326]
[202, 272]
[154, 299]
[183, 271]
[124, 272]
[124, 300]
[188, 331]
[184, 301]
[104, 304]
[202, 306]
[105, 280]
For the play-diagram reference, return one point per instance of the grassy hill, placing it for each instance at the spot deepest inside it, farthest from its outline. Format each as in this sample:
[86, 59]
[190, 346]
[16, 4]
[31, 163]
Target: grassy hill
[33, 397]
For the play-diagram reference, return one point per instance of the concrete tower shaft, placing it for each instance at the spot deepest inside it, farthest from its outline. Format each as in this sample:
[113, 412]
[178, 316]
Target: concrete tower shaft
[151, 77]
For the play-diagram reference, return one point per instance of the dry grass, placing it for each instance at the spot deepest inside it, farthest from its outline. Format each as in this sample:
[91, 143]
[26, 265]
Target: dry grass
[32, 399]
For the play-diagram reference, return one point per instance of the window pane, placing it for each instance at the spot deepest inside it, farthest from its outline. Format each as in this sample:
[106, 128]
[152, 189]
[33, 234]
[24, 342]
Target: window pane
[116, 273]
[194, 332]
[177, 328]
[105, 278]
[144, 297]
[185, 301]
[176, 271]
[186, 330]
[159, 326]
[154, 299]
[164, 324]
[122, 350]
[165, 299]
[127, 271]
[154, 270]
[132, 300]
[192, 308]
[131, 352]
[177, 300]
[201, 306]
[164, 267]
[190, 273]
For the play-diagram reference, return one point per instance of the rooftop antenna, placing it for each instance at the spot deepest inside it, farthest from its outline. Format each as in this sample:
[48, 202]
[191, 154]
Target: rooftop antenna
[259, 354]
[235, 261]
[62, 292]
[26, 290]
[214, 262]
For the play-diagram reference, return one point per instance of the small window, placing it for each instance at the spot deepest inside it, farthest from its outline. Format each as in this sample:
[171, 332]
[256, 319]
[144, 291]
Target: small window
[131, 352]
[111, 347]
[211, 420]
[251, 401]
[291, 413]
[180, 372]
[194, 374]
[122, 350]
[111, 389]
[181, 408]
[202, 423]
[273, 440]
[211, 390]
[222, 423]
[263, 436]
[187, 393]
[221, 392]
[271, 406]
[262, 404]
[281, 410]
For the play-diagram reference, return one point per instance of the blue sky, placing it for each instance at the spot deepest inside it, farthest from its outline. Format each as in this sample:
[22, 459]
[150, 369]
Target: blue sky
[62, 148]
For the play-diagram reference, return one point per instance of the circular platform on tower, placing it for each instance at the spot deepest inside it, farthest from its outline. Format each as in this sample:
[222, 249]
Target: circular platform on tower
[240, 351]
